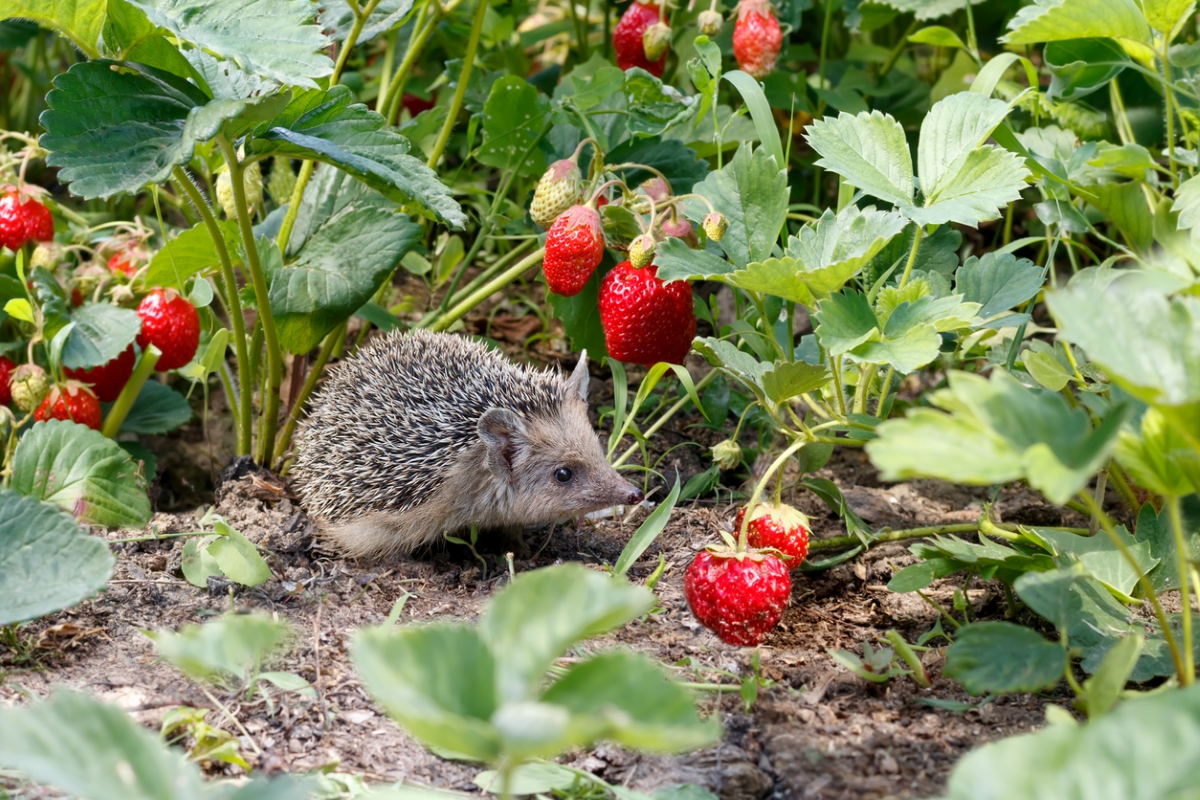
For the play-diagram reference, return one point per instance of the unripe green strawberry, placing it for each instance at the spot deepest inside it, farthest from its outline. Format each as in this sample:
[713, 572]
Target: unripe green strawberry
[252, 184]
[727, 455]
[641, 251]
[46, 256]
[29, 386]
[715, 226]
[710, 22]
[282, 181]
[559, 188]
[656, 41]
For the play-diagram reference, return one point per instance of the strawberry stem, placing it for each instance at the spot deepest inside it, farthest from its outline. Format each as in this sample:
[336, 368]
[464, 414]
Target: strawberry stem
[128, 396]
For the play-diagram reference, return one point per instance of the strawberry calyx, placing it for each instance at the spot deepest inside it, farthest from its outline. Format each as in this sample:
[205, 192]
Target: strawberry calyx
[729, 549]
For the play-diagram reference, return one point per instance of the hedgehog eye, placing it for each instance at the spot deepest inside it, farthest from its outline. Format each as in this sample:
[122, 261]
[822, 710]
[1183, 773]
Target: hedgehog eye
[563, 475]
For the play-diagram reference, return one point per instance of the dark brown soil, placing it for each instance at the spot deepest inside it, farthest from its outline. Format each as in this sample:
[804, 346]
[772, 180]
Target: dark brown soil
[815, 730]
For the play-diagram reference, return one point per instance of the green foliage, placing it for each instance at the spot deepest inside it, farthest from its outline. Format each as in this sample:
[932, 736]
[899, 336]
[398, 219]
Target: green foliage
[749, 191]
[227, 652]
[226, 552]
[1003, 657]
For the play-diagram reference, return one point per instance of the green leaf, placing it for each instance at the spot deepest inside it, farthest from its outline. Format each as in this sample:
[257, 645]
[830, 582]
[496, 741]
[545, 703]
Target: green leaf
[937, 36]
[337, 18]
[953, 129]
[404, 669]
[995, 431]
[919, 575]
[529, 779]
[189, 253]
[197, 564]
[47, 563]
[76, 469]
[115, 128]
[787, 379]
[737, 364]
[647, 532]
[237, 557]
[157, 409]
[227, 651]
[930, 9]
[1165, 15]
[1059, 20]
[1148, 747]
[907, 351]
[836, 247]
[326, 126]
[1103, 689]
[780, 277]
[678, 164]
[275, 38]
[751, 191]
[1126, 205]
[526, 633]
[323, 288]
[1101, 558]
[112, 757]
[869, 150]
[102, 331]
[983, 182]
[628, 699]
[998, 282]
[1079, 67]
[79, 20]
[513, 119]
[654, 106]
[1043, 364]
[1187, 204]
[997, 657]
[1155, 530]
[845, 321]
[1164, 368]
[760, 111]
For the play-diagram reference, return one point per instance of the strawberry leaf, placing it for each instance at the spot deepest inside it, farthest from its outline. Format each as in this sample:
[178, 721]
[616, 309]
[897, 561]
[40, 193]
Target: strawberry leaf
[869, 150]
[1004, 657]
[102, 332]
[337, 19]
[1060, 20]
[514, 118]
[81, 21]
[751, 191]
[157, 409]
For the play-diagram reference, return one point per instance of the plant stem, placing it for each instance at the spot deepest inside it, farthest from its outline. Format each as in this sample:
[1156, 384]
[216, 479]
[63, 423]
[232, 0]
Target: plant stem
[844, 542]
[133, 387]
[234, 304]
[461, 90]
[487, 290]
[423, 28]
[310, 383]
[1121, 482]
[289, 218]
[1181, 555]
[1107, 524]
[581, 39]
[779, 461]
[912, 256]
[1169, 97]
[828, 9]
[838, 388]
[270, 414]
[666, 417]
[480, 279]
[894, 56]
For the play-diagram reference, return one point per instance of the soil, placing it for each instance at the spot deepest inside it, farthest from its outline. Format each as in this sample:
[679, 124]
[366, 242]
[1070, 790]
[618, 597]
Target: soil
[814, 731]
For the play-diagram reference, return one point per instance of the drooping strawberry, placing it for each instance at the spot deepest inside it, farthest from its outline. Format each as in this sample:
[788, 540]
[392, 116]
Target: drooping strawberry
[23, 219]
[171, 324]
[645, 320]
[757, 38]
[710, 22]
[628, 43]
[574, 248]
[107, 380]
[7, 366]
[559, 188]
[738, 596]
[71, 401]
[28, 385]
[415, 104]
[780, 527]
[675, 225]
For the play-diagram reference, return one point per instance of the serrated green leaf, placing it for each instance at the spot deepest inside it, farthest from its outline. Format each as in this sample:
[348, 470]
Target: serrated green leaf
[950, 132]
[1126, 205]
[845, 321]
[513, 119]
[1059, 20]
[1079, 67]
[1102, 559]
[1187, 204]
[984, 181]
[787, 379]
[999, 282]
[911, 349]
[116, 130]
[1046, 369]
[678, 164]
[337, 19]
[930, 9]
[47, 562]
[869, 150]
[1165, 15]
[157, 409]
[654, 106]
[780, 277]
[739, 365]
[948, 313]
[79, 20]
[580, 314]
[327, 126]
[226, 651]
[102, 331]
[751, 191]
[237, 557]
[996, 431]
[322, 289]
[189, 253]
[999, 657]
[275, 38]
[76, 469]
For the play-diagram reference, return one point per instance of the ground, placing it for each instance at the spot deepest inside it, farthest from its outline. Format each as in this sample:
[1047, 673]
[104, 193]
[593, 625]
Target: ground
[815, 730]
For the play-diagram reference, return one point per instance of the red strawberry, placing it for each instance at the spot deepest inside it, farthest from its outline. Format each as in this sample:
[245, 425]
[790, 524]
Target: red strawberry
[107, 380]
[72, 401]
[627, 38]
[756, 38]
[122, 263]
[7, 365]
[23, 219]
[738, 596]
[645, 320]
[171, 324]
[781, 527]
[574, 247]
[415, 105]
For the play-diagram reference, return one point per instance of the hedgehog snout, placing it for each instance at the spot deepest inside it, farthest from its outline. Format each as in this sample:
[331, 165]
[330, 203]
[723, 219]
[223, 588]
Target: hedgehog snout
[635, 496]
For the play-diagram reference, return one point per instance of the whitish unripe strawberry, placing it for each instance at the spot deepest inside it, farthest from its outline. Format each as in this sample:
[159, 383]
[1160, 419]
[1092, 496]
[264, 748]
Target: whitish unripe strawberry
[282, 181]
[710, 22]
[726, 455]
[29, 386]
[656, 40]
[715, 226]
[558, 189]
[252, 183]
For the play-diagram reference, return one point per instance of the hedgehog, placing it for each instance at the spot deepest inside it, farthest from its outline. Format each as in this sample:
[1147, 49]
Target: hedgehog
[425, 434]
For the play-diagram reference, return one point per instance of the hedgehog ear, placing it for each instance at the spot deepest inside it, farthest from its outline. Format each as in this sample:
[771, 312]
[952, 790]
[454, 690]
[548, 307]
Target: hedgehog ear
[504, 434]
[578, 382]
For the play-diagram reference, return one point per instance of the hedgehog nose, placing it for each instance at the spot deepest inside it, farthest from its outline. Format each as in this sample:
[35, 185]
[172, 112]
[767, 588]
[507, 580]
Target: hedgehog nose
[635, 497]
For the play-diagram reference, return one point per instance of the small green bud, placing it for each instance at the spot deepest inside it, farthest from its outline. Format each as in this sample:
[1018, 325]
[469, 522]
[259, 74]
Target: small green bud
[710, 22]
[727, 455]
[715, 225]
[29, 386]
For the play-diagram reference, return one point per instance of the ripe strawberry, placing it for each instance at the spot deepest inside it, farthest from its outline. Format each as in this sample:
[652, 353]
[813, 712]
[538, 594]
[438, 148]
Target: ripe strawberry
[628, 35]
[781, 527]
[645, 320]
[7, 365]
[122, 263]
[72, 401]
[171, 324]
[559, 188]
[574, 248]
[107, 380]
[23, 219]
[756, 38]
[738, 596]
